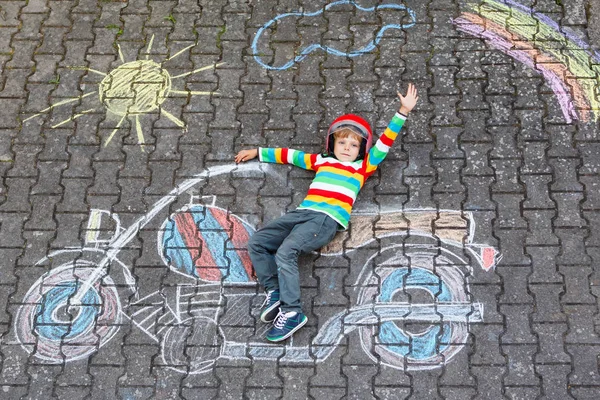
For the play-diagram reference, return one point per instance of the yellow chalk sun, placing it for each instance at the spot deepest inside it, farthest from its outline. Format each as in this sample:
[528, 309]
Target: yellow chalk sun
[133, 89]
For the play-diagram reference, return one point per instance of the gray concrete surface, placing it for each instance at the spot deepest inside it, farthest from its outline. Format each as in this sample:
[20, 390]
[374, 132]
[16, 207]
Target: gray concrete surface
[471, 267]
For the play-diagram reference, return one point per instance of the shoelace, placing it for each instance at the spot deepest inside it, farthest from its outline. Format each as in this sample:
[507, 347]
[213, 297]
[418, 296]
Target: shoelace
[267, 299]
[280, 320]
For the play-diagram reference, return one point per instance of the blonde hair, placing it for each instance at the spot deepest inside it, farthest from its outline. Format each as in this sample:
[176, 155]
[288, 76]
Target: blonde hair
[345, 132]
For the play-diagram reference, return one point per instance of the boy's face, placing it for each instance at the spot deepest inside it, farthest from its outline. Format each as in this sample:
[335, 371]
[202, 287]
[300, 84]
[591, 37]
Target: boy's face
[346, 149]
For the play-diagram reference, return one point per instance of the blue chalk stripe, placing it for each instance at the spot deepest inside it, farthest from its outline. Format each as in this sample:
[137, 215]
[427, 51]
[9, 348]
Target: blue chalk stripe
[416, 346]
[215, 235]
[57, 297]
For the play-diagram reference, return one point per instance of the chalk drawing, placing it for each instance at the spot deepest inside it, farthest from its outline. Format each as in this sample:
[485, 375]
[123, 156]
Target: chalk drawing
[59, 318]
[302, 54]
[76, 308]
[207, 243]
[60, 329]
[445, 317]
[428, 266]
[568, 64]
[133, 89]
[434, 267]
[454, 227]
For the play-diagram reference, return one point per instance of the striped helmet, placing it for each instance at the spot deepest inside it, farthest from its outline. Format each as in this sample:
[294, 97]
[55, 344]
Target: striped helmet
[357, 125]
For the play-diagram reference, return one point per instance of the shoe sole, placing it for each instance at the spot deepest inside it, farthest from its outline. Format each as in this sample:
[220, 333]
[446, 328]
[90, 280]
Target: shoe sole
[290, 333]
[266, 312]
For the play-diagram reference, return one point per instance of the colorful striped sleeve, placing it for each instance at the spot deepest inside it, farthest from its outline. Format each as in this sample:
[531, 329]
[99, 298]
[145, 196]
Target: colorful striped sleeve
[287, 156]
[383, 145]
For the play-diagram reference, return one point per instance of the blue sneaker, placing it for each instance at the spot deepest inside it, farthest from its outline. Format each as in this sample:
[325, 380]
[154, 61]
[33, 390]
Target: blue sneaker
[271, 306]
[285, 325]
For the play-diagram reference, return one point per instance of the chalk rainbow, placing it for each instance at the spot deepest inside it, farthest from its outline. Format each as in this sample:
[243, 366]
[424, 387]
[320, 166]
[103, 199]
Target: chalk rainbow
[567, 63]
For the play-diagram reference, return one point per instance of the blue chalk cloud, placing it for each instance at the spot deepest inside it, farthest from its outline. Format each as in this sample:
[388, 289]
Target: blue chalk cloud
[312, 47]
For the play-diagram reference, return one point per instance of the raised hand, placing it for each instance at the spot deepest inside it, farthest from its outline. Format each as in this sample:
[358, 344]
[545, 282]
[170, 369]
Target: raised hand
[407, 103]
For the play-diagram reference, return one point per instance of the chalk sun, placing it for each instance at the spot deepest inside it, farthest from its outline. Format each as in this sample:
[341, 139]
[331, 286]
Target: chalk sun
[133, 89]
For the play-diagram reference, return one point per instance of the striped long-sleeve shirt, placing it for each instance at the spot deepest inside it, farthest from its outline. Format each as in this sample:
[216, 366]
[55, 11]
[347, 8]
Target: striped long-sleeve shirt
[337, 183]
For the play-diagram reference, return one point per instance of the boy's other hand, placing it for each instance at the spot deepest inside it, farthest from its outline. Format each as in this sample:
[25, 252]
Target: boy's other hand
[246, 155]
[408, 102]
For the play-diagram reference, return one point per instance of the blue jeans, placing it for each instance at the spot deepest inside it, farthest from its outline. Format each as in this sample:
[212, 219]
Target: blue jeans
[274, 251]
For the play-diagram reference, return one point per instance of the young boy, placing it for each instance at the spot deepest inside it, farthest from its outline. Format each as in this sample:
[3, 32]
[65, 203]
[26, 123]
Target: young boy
[340, 173]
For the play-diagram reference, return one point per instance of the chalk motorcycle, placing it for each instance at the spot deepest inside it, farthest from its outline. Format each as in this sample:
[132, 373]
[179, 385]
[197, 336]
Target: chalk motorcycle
[75, 308]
